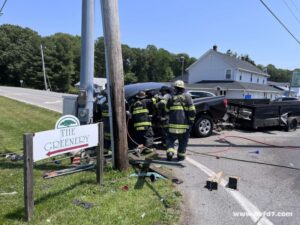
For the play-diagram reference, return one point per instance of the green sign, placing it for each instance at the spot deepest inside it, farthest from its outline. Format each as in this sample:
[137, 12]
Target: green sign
[296, 79]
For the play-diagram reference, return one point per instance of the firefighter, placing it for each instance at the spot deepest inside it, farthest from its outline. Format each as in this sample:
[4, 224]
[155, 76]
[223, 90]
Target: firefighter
[162, 116]
[141, 120]
[104, 115]
[181, 111]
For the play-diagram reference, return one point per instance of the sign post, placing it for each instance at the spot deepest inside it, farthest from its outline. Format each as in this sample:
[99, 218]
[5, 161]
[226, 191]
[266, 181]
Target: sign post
[67, 137]
[100, 156]
[28, 175]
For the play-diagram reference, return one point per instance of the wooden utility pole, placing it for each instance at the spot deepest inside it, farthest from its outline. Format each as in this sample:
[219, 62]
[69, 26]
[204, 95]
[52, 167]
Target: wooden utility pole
[115, 76]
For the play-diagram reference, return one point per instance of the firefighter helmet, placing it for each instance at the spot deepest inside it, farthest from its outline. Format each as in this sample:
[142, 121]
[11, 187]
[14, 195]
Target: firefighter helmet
[141, 94]
[179, 84]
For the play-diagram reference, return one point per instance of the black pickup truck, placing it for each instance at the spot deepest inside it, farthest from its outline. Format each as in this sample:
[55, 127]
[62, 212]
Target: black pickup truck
[209, 110]
[255, 113]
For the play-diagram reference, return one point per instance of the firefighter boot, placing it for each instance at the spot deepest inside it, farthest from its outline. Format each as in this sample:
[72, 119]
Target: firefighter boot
[170, 156]
[180, 156]
[170, 153]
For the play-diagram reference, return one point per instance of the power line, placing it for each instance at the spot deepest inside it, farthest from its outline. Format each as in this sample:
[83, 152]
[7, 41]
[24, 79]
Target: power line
[292, 12]
[282, 24]
[2, 7]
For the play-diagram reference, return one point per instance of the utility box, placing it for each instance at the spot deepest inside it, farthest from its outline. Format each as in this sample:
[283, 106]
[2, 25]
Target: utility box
[70, 105]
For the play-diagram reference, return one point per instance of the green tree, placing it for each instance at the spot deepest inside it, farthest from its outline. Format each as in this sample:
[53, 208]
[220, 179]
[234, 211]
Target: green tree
[100, 58]
[59, 60]
[20, 57]
[130, 78]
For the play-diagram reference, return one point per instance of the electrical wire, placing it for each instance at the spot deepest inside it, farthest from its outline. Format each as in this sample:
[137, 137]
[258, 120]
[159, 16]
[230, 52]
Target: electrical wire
[282, 24]
[243, 160]
[260, 142]
[292, 12]
[2, 7]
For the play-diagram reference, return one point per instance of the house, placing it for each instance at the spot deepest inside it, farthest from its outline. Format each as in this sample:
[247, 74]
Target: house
[99, 84]
[237, 90]
[230, 76]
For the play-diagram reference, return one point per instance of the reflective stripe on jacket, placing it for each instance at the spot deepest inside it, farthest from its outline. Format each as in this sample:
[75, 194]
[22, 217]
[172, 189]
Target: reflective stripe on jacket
[104, 112]
[140, 114]
[181, 113]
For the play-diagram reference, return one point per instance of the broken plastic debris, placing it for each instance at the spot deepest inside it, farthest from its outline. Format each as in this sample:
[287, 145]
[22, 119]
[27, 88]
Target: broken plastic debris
[255, 152]
[125, 188]
[86, 205]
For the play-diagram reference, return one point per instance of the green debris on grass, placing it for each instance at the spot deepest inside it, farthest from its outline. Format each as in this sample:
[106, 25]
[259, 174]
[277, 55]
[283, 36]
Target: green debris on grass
[121, 200]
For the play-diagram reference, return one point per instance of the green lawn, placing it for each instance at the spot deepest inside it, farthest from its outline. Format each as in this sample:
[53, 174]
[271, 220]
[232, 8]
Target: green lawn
[143, 203]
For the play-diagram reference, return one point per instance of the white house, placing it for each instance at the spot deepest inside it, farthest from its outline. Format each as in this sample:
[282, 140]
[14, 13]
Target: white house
[230, 76]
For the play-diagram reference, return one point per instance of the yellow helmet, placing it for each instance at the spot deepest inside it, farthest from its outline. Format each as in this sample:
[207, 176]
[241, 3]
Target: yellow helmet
[179, 84]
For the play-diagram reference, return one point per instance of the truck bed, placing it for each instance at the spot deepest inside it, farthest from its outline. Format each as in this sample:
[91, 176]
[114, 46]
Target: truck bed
[257, 113]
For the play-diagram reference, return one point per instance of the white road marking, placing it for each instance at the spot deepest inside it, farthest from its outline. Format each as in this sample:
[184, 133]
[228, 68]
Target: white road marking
[254, 213]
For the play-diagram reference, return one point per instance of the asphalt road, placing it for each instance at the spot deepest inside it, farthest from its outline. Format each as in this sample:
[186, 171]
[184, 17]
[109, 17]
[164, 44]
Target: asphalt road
[269, 194]
[44, 99]
[270, 189]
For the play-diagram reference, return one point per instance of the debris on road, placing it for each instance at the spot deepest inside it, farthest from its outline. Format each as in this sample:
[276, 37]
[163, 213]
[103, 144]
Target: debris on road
[255, 152]
[232, 182]
[152, 175]
[213, 181]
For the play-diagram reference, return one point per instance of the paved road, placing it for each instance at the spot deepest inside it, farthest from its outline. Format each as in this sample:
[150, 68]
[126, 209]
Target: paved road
[44, 99]
[262, 188]
[274, 189]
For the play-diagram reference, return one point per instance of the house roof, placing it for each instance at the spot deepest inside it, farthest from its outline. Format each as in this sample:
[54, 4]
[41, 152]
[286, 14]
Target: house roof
[232, 85]
[281, 84]
[234, 62]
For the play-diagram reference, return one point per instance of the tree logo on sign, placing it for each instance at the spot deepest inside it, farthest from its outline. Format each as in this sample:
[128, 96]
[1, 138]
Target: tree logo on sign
[67, 121]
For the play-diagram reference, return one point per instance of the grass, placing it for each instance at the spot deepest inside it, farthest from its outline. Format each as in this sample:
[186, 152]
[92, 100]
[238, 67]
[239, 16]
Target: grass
[143, 203]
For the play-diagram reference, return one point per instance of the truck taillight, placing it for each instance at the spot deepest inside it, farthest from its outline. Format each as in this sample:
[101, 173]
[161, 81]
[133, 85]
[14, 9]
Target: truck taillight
[225, 102]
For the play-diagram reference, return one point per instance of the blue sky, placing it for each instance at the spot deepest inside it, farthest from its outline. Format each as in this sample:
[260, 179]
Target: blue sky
[179, 26]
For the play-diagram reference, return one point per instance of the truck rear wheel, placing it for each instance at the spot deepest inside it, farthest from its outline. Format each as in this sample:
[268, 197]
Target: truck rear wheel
[292, 124]
[203, 126]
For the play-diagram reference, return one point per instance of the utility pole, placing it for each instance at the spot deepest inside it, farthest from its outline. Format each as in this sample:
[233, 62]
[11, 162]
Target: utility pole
[44, 71]
[115, 76]
[182, 66]
[85, 111]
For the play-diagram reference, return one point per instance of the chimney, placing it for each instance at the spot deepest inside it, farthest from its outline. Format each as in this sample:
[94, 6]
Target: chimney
[215, 48]
[243, 58]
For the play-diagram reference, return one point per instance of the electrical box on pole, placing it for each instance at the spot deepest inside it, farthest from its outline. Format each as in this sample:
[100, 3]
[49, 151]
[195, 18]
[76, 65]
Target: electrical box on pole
[115, 77]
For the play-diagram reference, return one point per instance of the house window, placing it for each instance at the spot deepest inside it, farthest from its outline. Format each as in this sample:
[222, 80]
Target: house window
[251, 78]
[228, 74]
[257, 80]
[240, 77]
[263, 81]
[224, 92]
